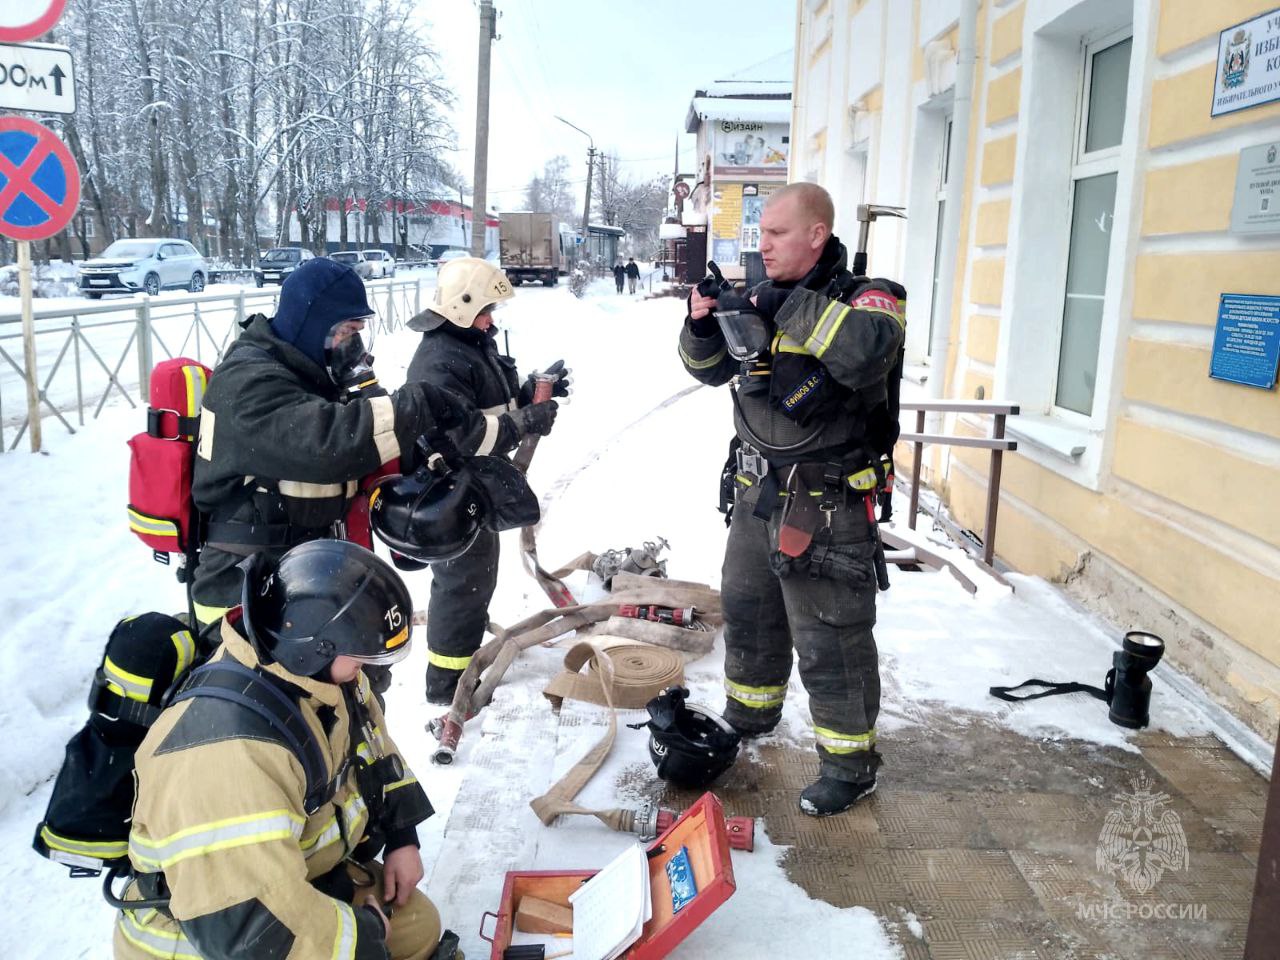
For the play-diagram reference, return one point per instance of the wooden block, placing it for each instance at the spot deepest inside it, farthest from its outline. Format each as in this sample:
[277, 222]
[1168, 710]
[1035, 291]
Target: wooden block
[543, 916]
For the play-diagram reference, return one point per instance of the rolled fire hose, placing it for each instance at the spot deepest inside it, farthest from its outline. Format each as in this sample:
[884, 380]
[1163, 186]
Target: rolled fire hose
[490, 663]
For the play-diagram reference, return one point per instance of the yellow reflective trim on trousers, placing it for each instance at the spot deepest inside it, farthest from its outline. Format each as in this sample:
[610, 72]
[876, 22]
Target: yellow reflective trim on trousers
[206, 614]
[125, 683]
[157, 943]
[344, 943]
[448, 663]
[153, 526]
[841, 743]
[185, 645]
[757, 698]
[693, 364]
[99, 849]
[206, 838]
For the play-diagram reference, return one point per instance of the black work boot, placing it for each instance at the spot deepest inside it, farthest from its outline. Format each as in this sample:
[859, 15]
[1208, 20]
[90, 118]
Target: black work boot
[441, 684]
[827, 796]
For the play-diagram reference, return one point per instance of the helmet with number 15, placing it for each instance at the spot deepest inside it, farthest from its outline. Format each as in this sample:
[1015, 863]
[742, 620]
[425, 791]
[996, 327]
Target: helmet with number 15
[325, 599]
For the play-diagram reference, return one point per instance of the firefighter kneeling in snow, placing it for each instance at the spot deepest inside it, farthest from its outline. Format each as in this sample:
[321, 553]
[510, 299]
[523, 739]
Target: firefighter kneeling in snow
[459, 352]
[811, 353]
[254, 857]
[291, 422]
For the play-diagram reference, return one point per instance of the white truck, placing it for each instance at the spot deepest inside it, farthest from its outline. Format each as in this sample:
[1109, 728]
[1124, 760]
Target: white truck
[531, 246]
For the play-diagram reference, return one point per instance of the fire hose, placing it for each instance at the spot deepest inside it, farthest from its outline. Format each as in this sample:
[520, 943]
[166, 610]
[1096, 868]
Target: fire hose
[551, 584]
[631, 675]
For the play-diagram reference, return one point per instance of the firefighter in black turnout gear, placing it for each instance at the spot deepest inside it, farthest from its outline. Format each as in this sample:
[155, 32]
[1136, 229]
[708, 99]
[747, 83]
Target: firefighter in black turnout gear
[459, 352]
[814, 357]
[291, 422]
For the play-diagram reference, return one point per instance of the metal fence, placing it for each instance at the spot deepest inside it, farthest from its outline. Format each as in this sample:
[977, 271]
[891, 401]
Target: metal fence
[87, 352]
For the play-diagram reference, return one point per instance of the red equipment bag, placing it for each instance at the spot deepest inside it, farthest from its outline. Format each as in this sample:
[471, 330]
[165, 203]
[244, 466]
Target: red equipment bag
[161, 511]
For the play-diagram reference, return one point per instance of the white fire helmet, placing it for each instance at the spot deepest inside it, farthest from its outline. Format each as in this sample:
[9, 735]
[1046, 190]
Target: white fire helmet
[466, 286]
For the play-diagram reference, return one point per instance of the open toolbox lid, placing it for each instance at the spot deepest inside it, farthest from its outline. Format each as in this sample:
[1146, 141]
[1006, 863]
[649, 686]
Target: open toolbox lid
[701, 829]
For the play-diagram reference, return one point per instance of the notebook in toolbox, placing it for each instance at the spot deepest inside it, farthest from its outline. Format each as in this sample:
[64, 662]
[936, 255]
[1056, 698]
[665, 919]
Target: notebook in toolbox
[701, 830]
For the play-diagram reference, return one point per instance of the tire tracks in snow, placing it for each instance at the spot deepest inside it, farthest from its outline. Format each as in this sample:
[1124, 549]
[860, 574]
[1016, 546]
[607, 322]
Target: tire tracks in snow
[566, 479]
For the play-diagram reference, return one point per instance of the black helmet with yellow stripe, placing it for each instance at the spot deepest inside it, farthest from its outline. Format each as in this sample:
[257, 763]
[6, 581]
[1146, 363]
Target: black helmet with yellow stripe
[323, 600]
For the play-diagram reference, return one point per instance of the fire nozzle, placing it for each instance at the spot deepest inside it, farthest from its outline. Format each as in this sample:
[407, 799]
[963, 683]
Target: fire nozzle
[680, 616]
[652, 821]
[448, 733]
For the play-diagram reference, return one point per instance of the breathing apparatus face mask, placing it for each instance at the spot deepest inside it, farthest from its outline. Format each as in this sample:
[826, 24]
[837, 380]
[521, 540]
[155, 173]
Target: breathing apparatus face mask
[346, 355]
[746, 332]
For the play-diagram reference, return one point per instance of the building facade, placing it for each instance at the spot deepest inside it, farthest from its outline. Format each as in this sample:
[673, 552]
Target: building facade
[1116, 180]
[742, 127]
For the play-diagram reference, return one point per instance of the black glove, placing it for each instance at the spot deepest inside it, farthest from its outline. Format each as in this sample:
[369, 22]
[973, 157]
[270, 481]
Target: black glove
[535, 418]
[769, 300]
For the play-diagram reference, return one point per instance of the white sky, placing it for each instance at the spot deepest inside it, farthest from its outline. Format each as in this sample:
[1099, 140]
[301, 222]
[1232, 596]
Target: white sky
[622, 71]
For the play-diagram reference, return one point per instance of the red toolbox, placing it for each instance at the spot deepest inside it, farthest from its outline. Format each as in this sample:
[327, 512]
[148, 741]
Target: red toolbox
[701, 830]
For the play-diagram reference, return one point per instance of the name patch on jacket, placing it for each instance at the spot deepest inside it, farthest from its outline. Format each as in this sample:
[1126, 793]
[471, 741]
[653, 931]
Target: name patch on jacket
[805, 392]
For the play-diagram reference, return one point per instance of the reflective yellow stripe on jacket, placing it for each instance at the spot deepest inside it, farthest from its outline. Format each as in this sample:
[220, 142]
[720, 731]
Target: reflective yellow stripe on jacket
[206, 838]
[757, 698]
[154, 940]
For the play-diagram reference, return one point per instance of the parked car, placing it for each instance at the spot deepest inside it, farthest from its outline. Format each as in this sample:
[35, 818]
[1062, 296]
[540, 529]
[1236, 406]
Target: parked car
[278, 262]
[356, 260]
[381, 263]
[451, 254]
[150, 265]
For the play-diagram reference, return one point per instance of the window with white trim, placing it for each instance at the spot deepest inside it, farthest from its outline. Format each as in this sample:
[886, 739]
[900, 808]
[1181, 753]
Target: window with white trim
[1093, 193]
[944, 170]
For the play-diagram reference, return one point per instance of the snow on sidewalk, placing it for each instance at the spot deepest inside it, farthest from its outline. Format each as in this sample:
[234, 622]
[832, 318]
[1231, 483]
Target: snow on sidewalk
[637, 454]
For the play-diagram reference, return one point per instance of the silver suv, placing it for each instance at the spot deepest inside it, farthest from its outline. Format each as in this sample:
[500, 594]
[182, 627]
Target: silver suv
[356, 260]
[382, 264]
[150, 265]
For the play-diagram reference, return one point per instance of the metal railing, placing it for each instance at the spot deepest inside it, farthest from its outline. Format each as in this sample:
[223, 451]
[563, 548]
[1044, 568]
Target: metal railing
[91, 346]
[996, 443]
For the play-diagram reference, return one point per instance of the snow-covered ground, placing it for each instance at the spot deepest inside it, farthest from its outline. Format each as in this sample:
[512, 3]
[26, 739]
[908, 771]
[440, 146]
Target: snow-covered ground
[636, 454]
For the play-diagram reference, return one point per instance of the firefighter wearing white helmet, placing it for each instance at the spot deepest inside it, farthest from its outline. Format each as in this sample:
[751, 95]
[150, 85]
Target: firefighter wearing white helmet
[459, 351]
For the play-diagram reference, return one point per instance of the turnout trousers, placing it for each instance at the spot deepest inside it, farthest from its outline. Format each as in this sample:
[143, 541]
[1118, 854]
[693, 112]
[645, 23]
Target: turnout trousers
[458, 611]
[822, 604]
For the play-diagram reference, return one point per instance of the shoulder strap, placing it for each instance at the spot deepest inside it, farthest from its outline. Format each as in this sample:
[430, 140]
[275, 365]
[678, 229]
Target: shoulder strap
[232, 681]
[1052, 689]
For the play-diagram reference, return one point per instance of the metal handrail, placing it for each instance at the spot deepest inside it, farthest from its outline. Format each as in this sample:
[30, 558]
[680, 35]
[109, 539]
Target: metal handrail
[96, 332]
[997, 443]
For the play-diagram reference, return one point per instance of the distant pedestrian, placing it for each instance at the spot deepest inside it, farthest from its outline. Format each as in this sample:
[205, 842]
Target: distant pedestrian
[619, 271]
[633, 274]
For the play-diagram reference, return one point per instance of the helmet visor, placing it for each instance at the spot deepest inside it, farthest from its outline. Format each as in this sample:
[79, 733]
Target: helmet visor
[396, 651]
[746, 333]
[346, 354]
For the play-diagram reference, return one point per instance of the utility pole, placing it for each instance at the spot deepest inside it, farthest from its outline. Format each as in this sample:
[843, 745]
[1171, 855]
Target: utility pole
[480, 187]
[591, 163]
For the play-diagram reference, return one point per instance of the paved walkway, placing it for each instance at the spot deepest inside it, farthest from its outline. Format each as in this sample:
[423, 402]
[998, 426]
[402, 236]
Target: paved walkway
[996, 843]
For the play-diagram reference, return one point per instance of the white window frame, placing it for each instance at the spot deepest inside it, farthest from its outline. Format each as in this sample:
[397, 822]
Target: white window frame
[1085, 166]
[1056, 34]
[928, 160]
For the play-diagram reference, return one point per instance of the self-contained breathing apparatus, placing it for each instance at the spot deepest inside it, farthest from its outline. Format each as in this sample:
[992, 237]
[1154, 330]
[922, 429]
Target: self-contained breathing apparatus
[808, 453]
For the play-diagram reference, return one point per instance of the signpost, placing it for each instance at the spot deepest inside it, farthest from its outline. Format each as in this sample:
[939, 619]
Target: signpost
[37, 77]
